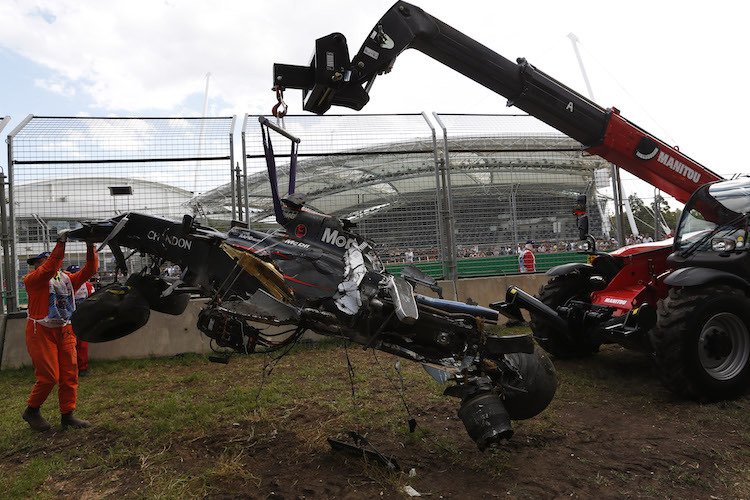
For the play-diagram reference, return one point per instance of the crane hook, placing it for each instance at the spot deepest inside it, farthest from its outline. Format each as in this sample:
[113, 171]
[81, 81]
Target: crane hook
[280, 109]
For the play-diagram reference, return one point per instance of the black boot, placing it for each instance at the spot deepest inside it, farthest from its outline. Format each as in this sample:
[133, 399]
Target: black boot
[35, 419]
[68, 420]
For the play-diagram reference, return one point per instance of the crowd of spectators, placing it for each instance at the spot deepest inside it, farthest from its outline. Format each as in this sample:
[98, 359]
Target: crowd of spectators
[644, 238]
[396, 255]
[401, 255]
[612, 244]
[406, 255]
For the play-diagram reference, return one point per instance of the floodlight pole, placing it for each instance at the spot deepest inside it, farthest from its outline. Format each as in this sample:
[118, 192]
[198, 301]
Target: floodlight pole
[45, 231]
[231, 158]
[200, 136]
[614, 169]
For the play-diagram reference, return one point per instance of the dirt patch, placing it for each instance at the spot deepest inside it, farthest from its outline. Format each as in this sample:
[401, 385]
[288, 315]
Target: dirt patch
[611, 432]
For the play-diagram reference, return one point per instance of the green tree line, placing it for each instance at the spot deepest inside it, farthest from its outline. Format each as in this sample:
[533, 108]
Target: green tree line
[644, 218]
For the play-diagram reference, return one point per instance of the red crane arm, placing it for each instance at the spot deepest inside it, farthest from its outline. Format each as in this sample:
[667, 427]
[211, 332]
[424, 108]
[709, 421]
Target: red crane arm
[332, 79]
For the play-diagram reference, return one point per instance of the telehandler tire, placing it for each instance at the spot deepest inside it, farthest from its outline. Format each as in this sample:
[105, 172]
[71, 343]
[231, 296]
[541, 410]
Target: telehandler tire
[701, 342]
[557, 292]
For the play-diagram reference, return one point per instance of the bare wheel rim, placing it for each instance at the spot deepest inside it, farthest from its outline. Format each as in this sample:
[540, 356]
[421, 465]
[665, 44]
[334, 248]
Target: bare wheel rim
[724, 346]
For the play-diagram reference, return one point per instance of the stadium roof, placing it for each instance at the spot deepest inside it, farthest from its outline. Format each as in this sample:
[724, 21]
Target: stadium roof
[91, 197]
[358, 181]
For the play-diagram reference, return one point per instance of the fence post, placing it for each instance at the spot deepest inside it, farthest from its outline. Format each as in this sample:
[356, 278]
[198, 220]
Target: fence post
[232, 189]
[3, 234]
[244, 169]
[237, 180]
[231, 159]
[441, 209]
[513, 213]
[11, 279]
[7, 269]
[451, 219]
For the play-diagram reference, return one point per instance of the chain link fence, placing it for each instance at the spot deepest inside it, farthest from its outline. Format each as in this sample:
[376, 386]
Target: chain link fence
[514, 179]
[66, 169]
[376, 170]
[455, 194]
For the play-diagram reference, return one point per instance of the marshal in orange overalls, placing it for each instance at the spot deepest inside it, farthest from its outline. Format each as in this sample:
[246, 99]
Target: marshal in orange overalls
[49, 336]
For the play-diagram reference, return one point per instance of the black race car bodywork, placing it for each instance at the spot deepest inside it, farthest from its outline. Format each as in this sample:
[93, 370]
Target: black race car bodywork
[315, 273]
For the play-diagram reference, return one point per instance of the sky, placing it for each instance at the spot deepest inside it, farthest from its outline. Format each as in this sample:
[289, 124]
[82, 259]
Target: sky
[677, 69]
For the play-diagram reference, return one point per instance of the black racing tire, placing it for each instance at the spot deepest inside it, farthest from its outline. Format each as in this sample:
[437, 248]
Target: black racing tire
[152, 286]
[557, 292]
[110, 313]
[539, 384]
[701, 342]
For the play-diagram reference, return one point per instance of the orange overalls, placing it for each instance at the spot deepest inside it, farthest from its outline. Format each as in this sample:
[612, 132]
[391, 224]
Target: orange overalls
[49, 336]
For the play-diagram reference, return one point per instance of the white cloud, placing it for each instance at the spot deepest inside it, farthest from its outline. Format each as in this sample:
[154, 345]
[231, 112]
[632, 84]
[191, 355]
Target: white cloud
[134, 55]
[57, 85]
[680, 64]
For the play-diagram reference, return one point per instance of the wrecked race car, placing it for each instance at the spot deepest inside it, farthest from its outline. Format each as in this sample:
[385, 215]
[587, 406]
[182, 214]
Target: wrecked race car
[316, 273]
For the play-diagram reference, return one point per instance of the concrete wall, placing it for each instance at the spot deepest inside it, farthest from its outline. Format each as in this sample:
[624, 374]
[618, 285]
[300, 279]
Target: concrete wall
[484, 291]
[166, 335]
[163, 335]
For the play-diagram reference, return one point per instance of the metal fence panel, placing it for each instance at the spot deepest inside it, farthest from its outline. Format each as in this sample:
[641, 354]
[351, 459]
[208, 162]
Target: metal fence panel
[457, 203]
[515, 179]
[66, 169]
[377, 170]
[512, 179]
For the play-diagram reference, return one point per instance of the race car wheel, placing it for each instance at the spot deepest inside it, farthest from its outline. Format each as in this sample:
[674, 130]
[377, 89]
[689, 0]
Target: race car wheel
[538, 383]
[109, 313]
[702, 342]
[152, 287]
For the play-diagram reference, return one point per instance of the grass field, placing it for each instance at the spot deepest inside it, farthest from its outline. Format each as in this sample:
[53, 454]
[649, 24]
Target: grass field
[183, 427]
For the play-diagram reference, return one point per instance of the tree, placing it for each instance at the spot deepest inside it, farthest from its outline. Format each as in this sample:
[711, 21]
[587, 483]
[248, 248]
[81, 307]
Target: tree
[644, 215]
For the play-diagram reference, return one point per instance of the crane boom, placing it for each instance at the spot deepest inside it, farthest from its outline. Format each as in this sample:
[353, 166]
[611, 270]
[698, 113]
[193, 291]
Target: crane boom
[332, 79]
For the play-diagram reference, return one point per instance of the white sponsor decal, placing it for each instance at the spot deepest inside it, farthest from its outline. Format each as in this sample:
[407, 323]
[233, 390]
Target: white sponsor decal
[619, 302]
[245, 236]
[332, 237]
[175, 241]
[647, 156]
[297, 243]
[679, 167]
